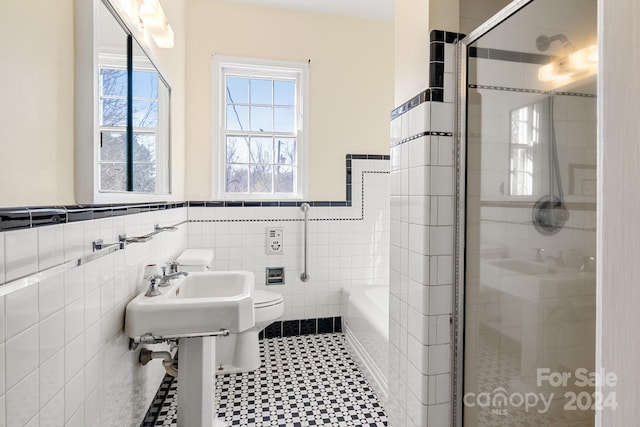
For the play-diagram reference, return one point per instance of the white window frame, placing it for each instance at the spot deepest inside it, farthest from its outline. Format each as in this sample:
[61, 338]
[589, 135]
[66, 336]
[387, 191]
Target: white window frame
[223, 65]
[532, 147]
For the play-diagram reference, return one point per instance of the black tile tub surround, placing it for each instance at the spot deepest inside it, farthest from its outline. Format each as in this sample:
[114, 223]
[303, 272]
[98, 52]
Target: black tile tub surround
[291, 328]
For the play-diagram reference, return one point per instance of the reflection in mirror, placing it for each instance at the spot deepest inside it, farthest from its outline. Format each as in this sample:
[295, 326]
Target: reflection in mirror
[113, 94]
[524, 147]
[149, 143]
[133, 111]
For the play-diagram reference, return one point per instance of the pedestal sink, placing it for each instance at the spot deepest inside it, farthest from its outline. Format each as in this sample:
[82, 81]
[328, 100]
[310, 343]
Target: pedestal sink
[194, 309]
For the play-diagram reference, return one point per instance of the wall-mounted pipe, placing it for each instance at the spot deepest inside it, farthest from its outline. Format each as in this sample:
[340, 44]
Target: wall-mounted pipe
[147, 356]
[305, 208]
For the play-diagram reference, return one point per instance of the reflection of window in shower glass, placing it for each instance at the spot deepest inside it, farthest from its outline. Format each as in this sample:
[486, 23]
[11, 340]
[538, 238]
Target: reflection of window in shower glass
[525, 137]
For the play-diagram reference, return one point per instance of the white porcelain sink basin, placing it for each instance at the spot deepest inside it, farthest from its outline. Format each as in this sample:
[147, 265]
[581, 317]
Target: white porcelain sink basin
[198, 304]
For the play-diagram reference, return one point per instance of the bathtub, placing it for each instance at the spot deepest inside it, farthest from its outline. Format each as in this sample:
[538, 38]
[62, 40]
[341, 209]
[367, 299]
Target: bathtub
[366, 326]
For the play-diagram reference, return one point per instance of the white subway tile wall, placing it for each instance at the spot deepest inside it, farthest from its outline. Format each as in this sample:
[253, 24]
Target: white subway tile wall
[348, 246]
[64, 359]
[421, 263]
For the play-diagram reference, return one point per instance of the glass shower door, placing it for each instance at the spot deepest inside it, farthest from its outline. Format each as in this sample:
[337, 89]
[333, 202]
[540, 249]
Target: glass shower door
[530, 237]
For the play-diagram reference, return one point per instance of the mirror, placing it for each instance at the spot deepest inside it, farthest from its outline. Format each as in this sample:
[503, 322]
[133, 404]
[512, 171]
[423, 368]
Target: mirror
[132, 135]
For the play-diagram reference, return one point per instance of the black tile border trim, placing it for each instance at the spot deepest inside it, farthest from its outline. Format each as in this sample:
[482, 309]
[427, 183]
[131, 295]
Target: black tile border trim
[151, 417]
[536, 91]
[435, 92]
[333, 204]
[21, 218]
[510, 56]
[293, 328]
[420, 135]
[297, 203]
[37, 216]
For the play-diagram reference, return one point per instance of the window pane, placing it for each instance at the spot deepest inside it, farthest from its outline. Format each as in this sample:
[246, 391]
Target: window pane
[113, 147]
[145, 114]
[262, 178]
[285, 151]
[284, 92]
[113, 177]
[237, 150]
[237, 117]
[284, 119]
[261, 150]
[262, 119]
[114, 112]
[144, 147]
[285, 179]
[145, 84]
[144, 177]
[237, 90]
[113, 82]
[261, 91]
[237, 179]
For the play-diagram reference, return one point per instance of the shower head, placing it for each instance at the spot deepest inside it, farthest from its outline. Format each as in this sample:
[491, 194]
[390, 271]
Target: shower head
[543, 42]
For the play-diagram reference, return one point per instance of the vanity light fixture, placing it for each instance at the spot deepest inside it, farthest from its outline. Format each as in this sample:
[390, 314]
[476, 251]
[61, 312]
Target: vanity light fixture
[578, 64]
[156, 23]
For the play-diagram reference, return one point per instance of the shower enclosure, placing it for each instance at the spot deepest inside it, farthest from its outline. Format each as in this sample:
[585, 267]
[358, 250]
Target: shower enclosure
[525, 305]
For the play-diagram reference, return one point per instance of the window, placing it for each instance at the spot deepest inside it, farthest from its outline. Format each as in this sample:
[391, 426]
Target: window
[525, 139]
[262, 130]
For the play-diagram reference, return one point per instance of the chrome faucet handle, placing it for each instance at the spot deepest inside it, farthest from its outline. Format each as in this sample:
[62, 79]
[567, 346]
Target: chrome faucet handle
[539, 254]
[153, 290]
[165, 278]
[173, 267]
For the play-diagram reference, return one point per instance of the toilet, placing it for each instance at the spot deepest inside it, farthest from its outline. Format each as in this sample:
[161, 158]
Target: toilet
[239, 352]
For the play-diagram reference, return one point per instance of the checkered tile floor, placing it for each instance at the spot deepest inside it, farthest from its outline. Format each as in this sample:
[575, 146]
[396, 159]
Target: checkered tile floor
[303, 381]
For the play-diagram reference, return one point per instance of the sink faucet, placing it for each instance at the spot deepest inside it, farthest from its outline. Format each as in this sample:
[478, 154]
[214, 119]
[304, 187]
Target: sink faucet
[558, 260]
[153, 290]
[173, 273]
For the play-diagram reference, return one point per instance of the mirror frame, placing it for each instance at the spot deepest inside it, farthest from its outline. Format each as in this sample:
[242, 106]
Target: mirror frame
[86, 115]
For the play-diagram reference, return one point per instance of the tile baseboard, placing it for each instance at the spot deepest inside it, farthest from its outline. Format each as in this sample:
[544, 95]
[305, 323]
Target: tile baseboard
[292, 328]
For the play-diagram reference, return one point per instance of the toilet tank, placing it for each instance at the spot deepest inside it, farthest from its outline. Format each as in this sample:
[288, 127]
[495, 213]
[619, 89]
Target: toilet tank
[192, 260]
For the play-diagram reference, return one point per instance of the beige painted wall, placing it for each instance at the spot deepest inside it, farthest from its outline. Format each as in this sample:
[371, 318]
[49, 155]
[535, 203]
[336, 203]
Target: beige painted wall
[411, 49]
[172, 64]
[37, 100]
[414, 20]
[474, 12]
[351, 78]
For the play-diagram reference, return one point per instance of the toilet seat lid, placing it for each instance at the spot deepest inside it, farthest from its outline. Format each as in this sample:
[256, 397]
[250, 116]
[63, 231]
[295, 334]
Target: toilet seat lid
[266, 298]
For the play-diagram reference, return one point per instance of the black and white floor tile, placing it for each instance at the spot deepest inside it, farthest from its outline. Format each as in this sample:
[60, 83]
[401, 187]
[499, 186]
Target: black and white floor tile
[304, 381]
[496, 370]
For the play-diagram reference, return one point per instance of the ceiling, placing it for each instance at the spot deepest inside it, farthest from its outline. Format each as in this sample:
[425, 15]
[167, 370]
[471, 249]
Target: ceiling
[369, 9]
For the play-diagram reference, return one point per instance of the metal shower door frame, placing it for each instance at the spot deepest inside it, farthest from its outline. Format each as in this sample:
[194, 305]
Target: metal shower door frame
[460, 126]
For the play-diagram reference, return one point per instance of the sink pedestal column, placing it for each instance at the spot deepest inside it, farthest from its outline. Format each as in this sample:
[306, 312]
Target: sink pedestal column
[196, 385]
